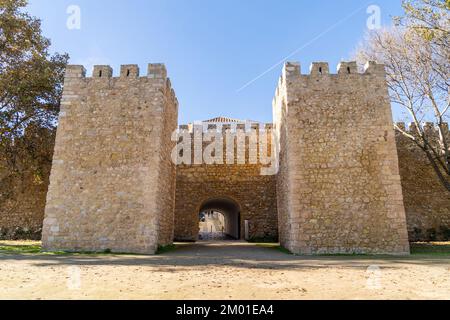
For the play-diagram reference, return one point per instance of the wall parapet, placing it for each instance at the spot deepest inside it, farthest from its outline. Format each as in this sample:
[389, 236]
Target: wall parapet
[224, 128]
[346, 71]
[291, 69]
[154, 71]
[128, 72]
[428, 127]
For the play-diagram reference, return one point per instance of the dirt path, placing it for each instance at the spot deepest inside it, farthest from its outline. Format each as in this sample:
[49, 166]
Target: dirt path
[223, 270]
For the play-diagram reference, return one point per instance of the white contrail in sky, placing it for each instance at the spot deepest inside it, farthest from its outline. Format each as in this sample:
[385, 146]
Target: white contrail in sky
[320, 35]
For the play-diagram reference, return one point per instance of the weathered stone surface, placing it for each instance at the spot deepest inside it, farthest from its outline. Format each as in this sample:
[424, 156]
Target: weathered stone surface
[242, 183]
[112, 185]
[337, 191]
[23, 185]
[427, 202]
[339, 186]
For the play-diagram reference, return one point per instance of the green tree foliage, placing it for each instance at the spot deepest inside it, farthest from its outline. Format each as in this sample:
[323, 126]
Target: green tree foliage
[30, 78]
[31, 82]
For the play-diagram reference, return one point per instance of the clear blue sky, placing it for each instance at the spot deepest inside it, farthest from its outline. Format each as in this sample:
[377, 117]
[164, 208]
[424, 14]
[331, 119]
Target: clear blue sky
[212, 48]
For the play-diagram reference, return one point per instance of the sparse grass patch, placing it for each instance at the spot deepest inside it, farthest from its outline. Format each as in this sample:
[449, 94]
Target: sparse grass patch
[272, 245]
[35, 247]
[23, 248]
[166, 249]
[433, 248]
[417, 248]
[283, 250]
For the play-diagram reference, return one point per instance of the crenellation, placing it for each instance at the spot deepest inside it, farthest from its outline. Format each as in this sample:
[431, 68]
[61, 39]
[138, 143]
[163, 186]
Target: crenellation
[291, 72]
[429, 128]
[413, 129]
[157, 71]
[225, 128]
[371, 67]
[197, 128]
[346, 68]
[319, 68]
[129, 71]
[75, 71]
[336, 187]
[291, 69]
[401, 126]
[241, 127]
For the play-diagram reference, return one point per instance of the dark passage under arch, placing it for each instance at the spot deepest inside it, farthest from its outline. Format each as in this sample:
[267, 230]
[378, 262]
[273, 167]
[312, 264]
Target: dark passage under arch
[231, 215]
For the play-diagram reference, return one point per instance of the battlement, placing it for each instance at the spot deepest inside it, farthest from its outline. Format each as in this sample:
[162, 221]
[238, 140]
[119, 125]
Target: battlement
[224, 128]
[103, 75]
[120, 127]
[428, 127]
[231, 144]
[320, 77]
[332, 131]
[293, 69]
[130, 71]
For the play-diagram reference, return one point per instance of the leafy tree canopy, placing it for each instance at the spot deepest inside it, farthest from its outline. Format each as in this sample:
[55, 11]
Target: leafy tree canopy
[30, 77]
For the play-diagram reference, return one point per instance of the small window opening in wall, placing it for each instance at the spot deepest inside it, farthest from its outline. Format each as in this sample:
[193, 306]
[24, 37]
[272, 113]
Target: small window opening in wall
[348, 70]
[128, 72]
[100, 73]
[320, 70]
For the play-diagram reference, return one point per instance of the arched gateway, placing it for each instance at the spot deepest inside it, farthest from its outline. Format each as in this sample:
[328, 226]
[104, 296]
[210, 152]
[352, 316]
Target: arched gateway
[327, 180]
[220, 219]
[233, 181]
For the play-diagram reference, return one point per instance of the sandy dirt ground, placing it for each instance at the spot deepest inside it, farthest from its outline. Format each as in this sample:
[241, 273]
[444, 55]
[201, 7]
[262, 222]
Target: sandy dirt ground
[223, 270]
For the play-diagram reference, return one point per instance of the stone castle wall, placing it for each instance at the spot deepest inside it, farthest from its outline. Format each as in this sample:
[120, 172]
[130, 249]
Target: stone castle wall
[24, 183]
[427, 202]
[112, 184]
[239, 180]
[339, 185]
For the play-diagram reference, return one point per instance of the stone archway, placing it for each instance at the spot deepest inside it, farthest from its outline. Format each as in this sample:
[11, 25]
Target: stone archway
[231, 212]
[255, 194]
[243, 181]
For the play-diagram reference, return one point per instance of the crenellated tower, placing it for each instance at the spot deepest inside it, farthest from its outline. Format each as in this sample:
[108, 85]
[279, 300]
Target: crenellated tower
[339, 187]
[112, 185]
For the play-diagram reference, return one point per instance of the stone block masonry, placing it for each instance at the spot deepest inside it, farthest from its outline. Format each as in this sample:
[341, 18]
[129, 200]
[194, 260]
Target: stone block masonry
[336, 187]
[339, 187]
[238, 179]
[23, 192]
[427, 202]
[112, 185]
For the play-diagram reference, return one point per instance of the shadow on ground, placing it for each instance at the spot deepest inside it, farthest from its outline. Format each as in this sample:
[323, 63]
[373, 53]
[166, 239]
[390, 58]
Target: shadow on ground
[229, 253]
